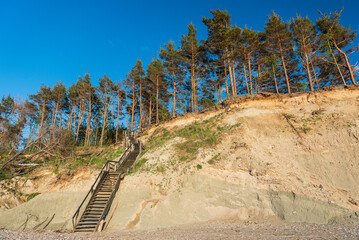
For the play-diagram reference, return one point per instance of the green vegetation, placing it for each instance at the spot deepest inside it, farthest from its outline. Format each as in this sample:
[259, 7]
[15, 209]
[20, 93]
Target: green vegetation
[95, 160]
[31, 196]
[141, 162]
[214, 159]
[161, 169]
[194, 137]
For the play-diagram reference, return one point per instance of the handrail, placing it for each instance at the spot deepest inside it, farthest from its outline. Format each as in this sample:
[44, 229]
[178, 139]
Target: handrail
[76, 215]
[109, 202]
[141, 148]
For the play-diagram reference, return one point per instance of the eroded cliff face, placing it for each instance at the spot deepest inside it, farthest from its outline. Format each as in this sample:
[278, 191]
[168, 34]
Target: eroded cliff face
[268, 159]
[281, 159]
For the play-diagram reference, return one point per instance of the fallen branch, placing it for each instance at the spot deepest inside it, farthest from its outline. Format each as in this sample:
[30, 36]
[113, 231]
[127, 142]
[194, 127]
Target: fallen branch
[38, 225]
[49, 221]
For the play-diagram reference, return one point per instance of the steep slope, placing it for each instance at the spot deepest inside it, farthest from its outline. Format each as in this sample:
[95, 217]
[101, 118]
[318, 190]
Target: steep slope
[289, 158]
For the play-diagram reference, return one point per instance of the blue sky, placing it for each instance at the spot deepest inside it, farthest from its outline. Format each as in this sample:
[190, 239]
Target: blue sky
[43, 42]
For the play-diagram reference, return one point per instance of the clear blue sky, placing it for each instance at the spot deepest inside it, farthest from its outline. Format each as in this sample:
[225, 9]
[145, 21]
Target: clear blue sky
[44, 41]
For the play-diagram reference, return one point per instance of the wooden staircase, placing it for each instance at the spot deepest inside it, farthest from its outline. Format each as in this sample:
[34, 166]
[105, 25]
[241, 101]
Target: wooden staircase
[95, 210]
[104, 190]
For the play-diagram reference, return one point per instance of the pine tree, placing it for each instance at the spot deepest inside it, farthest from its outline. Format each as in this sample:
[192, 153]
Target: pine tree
[172, 62]
[249, 45]
[278, 42]
[86, 92]
[305, 38]
[58, 96]
[42, 99]
[220, 45]
[121, 99]
[337, 38]
[106, 91]
[192, 55]
[155, 74]
[134, 86]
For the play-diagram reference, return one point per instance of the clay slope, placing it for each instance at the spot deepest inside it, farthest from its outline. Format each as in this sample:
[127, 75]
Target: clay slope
[280, 159]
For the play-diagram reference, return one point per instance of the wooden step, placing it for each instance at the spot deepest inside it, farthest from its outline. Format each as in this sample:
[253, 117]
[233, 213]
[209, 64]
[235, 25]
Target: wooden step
[85, 227]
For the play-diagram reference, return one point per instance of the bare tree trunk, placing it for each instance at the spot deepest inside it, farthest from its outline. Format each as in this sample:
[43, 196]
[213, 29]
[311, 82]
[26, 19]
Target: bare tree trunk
[347, 62]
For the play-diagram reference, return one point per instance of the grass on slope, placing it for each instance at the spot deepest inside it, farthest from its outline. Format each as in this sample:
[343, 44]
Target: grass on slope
[196, 136]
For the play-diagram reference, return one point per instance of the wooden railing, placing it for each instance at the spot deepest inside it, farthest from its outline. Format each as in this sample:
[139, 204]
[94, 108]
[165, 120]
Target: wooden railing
[110, 166]
[108, 204]
[106, 168]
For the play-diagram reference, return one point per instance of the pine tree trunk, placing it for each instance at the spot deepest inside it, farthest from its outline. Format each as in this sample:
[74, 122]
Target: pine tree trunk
[104, 122]
[308, 72]
[347, 63]
[53, 119]
[60, 121]
[336, 63]
[193, 88]
[258, 78]
[275, 80]
[245, 78]
[220, 92]
[133, 106]
[70, 119]
[42, 118]
[74, 119]
[150, 113]
[284, 68]
[157, 120]
[225, 79]
[315, 74]
[118, 115]
[81, 114]
[174, 95]
[88, 126]
[140, 104]
[231, 77]
[250, 74]
[234, 79]
[230, 72]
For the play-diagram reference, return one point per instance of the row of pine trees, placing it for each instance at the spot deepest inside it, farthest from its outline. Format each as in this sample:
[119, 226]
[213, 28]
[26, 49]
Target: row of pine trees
[287, 57]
